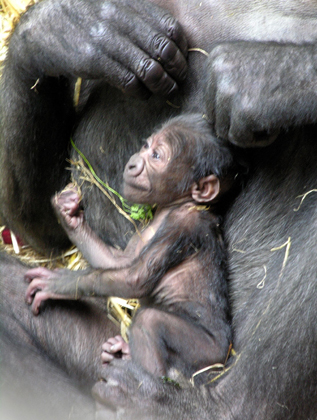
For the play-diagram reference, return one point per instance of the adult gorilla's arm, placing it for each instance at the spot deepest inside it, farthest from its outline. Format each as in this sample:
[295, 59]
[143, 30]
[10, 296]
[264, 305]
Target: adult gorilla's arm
[140, 396]
[133, 45]
[254, 89]
[136, 47]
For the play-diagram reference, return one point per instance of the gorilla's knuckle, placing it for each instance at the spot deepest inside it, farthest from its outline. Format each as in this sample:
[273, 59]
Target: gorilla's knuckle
[227, 87]
[221, 64]
[129, 81]
[217, 51]
[98, 30]
[164, 48]
[143, 67]
[173, 28]
[246, 108]
[149, 70]
[88, 51]
[109, 11]
[159, 43]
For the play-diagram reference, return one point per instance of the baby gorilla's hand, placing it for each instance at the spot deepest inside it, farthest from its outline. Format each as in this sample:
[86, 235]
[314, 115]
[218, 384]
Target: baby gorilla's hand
[115, 347]
[67, 208]
[40, 280]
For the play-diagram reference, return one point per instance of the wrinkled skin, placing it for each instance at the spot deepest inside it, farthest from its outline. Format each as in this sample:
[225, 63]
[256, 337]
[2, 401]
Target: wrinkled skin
[251, 90]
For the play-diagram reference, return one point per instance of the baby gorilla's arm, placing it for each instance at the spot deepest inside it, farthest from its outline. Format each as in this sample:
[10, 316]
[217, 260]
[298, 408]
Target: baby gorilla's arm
[67, 208]
[131, 276]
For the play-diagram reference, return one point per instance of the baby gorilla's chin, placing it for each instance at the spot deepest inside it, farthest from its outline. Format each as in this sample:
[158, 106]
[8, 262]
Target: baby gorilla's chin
[127, 192]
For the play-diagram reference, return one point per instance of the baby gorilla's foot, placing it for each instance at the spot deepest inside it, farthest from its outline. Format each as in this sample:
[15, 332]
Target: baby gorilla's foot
[115, 347]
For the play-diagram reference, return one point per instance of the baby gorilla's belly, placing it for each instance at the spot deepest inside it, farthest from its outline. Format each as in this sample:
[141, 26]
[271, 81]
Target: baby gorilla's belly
[183, 289]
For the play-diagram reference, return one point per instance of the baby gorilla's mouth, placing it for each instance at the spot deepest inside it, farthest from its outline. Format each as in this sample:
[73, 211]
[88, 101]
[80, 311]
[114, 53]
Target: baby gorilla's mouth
[134, 186]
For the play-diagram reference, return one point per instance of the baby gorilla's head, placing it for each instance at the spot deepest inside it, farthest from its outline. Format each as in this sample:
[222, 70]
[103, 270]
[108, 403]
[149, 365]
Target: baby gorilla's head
[181, 161]
[197, 153]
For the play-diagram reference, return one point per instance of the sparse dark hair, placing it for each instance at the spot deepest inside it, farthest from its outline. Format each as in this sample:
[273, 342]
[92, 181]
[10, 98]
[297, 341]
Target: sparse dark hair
[193, 143]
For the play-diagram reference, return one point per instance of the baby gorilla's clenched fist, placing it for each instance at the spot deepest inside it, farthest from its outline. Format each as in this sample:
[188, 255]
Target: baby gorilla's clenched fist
[67, 208]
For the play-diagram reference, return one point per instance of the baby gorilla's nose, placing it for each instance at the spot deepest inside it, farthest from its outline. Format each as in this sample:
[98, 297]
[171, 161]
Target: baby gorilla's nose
[135, 165]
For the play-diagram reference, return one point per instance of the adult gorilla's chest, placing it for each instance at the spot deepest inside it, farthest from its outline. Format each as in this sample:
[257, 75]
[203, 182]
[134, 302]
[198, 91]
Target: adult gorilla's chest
[206, 23]
[270, 232]
[209, 21]
[112, 120]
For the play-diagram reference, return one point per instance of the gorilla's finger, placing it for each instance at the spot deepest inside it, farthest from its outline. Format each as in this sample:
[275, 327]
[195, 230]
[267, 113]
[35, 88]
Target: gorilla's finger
[137, 67]
[154, 40]
[163, 21]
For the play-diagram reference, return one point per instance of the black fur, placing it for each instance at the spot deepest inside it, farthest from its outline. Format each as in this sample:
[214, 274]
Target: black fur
[257, 85]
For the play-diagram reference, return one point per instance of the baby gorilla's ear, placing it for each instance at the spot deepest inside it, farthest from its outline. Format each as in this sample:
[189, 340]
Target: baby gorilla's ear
[206, 190]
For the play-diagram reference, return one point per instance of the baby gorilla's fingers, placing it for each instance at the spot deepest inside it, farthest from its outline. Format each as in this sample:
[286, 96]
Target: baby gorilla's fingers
[38, 272]
[38, 290]
[121, 346]
[118, 344]
[106, 357]
[67, 200]
[42, 295]
[115, 347]
[39, 297]
[66, 205]
[109, 343]
[35, 286]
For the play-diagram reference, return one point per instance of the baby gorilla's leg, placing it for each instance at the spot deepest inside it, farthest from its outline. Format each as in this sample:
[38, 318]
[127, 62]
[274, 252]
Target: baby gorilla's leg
[66, 205]
[161, 340]
[115, 347]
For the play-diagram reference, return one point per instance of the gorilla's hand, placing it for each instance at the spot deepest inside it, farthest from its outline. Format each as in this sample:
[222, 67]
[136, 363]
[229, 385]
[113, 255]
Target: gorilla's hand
[56, 284]
[42, 285]
[135, 394]
[254, 89]
[132, 44]
[125, 387]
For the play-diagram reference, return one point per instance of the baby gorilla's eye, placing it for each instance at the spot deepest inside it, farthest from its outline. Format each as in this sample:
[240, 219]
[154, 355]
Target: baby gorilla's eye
[155, 155]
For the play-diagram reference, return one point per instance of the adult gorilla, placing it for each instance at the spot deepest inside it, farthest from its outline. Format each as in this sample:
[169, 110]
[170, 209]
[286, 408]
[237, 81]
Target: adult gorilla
[257, 85]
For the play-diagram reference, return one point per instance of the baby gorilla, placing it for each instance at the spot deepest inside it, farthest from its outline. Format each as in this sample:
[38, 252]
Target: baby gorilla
[176, 267]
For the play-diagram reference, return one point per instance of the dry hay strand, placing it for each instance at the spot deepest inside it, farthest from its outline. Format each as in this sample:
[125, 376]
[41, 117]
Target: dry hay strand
[87, 176]
[303, 197]
[71, 259]
[121, 312]
[199, 50]
[10, 12]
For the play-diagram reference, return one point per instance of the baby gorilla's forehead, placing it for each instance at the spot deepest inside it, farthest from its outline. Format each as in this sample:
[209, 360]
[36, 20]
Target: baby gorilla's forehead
[160, 140]
[178, 139]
